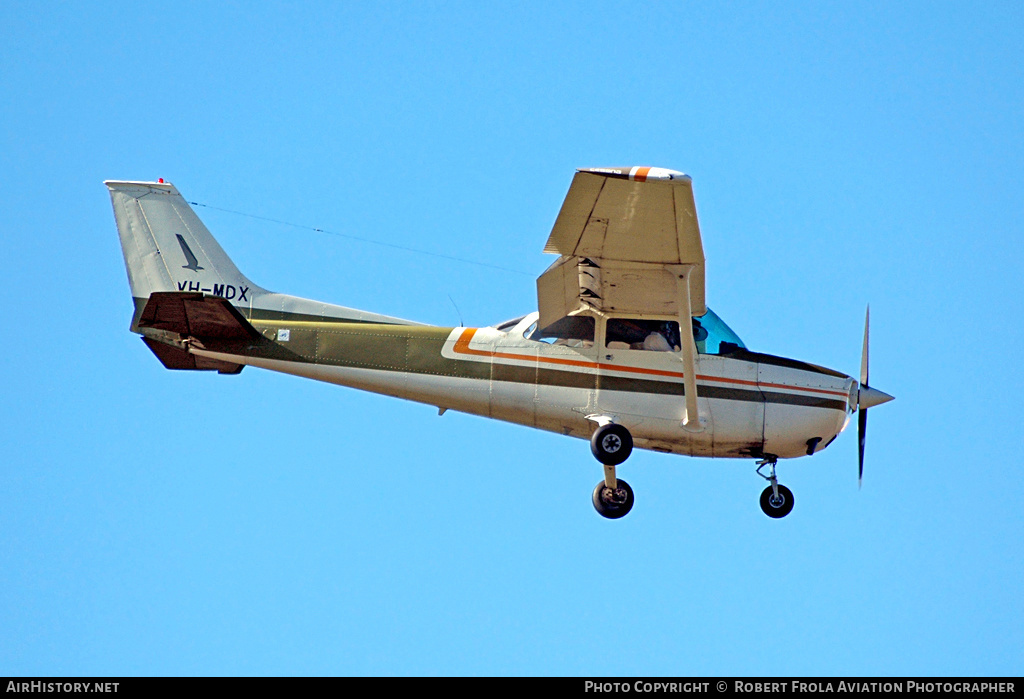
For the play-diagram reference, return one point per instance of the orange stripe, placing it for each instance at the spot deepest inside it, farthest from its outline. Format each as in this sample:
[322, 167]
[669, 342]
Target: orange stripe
[462, 347]
[641, 174]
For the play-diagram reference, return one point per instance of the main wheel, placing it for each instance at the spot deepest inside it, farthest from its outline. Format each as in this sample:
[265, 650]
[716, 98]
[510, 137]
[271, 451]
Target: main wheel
[777, 508]
[613, 503]
[611, 444]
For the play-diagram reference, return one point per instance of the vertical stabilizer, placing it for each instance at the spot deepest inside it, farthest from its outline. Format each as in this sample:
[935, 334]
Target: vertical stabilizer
[167, 248]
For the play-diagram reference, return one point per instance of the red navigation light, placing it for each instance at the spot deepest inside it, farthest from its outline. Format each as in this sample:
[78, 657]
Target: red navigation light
[161, 180]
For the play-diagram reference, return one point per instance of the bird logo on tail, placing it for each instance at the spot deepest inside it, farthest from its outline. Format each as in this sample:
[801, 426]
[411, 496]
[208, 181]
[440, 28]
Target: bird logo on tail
[193, 263]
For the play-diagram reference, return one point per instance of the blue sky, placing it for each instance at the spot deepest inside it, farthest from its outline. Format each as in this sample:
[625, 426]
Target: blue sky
[157, 522]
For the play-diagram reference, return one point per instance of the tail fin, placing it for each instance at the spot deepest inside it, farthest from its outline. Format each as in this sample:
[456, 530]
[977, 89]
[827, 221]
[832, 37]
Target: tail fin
[167, 248]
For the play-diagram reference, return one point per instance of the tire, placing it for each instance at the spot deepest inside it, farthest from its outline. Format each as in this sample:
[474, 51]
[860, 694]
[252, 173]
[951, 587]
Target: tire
[611, 444]
[777, 510]
[613, 505]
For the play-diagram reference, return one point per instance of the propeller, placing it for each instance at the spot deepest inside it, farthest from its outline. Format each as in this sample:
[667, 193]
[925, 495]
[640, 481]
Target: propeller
[867, 397]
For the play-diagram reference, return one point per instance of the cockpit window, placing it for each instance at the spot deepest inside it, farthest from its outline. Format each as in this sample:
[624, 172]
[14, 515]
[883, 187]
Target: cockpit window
[571, 331]
[710, 334]
[640, 334]
[713, 336]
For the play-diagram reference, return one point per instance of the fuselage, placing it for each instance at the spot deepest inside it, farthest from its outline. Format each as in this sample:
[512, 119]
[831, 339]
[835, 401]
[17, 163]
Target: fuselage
[750, 404]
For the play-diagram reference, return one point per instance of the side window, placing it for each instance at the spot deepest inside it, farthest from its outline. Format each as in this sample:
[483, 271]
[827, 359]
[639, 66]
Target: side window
[571, 331]
[638, 334]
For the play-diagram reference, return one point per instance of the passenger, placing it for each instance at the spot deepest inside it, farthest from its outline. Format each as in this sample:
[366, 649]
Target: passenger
[656, 342]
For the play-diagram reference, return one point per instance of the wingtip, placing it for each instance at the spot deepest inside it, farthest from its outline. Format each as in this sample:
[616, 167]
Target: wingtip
[639, 173]
[132, 184]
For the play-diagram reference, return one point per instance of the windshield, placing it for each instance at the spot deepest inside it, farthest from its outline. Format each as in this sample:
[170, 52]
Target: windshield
[713, 336]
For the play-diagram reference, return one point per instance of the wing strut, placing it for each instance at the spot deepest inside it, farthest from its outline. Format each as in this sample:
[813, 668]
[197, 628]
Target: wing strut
[691, 420]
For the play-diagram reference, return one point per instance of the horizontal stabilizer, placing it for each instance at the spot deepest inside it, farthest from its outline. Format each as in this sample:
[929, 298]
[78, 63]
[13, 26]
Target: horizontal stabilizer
[193, 314]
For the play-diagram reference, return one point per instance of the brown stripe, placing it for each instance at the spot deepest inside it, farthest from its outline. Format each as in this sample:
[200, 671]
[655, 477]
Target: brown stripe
[462, 347]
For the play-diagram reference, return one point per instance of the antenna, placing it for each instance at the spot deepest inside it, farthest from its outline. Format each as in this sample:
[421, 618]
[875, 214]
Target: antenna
[457, 311]
[361, 239]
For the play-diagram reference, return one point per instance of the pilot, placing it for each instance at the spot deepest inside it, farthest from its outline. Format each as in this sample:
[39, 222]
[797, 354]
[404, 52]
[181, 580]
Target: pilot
[700, 335]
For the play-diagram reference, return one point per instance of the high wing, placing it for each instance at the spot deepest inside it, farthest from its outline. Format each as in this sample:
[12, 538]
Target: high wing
[628, 242]
[624, 236]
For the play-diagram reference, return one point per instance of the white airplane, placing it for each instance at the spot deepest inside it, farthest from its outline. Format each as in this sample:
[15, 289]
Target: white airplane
[622, 351]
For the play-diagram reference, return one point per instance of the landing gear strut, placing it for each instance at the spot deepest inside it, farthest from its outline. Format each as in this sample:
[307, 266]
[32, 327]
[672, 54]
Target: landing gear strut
[612, 444]
[776, 499]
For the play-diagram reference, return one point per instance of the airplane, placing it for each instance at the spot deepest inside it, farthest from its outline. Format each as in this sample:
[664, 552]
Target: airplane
[622, 350]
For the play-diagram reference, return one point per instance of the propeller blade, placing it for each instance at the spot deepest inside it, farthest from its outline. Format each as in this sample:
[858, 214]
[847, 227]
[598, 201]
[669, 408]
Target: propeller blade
[864, 352]
[862, 435]
[867, 397]
[862, 417]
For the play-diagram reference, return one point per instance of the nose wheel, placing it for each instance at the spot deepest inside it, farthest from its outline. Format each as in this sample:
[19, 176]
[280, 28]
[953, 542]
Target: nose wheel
[776, 499]
[777, 505]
